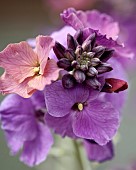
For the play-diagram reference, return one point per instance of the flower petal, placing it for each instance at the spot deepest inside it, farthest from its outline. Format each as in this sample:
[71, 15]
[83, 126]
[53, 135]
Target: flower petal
[99, 153]
[36, 151]
[61, 125]
[18, 120]
[44, 45]
[18, 61]
[99, 121]
[51, 73]
[91, 19]
[8, 85]
[60, 101]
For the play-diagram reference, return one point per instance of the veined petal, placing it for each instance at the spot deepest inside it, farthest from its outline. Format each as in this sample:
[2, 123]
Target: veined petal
[99, 121]
[44, 45]
[59, 101]
[8, 85]
[36, 151]
[51, 73]
[18, 61]
[61, 125]
[97, 152]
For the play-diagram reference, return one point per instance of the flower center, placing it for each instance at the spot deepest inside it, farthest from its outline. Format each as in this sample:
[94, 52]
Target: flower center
[36, 70]
[80, 106]
[40, 114]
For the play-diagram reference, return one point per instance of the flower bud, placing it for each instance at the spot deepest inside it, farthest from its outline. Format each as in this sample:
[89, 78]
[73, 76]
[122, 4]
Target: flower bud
[94, 83]
[87, 46]
[70, 55]
[79, 50]
[64, 63]
[59, 50]
[92, 39]
[79, 76]
[106, 55]
[79, 36]
[99, 50]
[95, 61]
[68, 81]
[92, 72]
[103, 68]
[71, 42]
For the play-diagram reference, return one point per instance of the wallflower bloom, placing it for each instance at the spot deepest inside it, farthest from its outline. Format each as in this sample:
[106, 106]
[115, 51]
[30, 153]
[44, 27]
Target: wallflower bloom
[84, 103]
[98, 153]
[25, 127]
[90, 117]
[27, 70]
[96, 21]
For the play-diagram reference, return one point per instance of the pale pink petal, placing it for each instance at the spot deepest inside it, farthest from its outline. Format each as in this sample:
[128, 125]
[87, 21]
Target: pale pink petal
[44, 45]
[8, 85]
[51, 73]
[18, 60]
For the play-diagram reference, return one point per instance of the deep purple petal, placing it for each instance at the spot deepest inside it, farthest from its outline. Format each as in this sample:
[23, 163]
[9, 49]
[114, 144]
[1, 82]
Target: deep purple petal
[36, 151]
[98, 121]
[99, 153]
[59, 101]
[61, 125]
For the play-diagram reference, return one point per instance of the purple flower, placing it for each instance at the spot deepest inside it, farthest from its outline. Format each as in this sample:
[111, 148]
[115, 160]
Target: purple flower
[96, 21]
[93, 19]
[25, 127]
[98, 153]
[88, 116]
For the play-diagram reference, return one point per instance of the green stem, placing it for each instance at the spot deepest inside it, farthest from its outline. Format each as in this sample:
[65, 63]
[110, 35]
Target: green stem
[78, 154]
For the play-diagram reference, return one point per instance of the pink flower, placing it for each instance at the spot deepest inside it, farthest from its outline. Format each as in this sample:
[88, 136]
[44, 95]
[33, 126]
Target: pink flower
[27, 70]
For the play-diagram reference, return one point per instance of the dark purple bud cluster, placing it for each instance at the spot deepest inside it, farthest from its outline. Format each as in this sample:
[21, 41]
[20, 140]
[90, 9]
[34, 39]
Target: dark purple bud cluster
[84, 60]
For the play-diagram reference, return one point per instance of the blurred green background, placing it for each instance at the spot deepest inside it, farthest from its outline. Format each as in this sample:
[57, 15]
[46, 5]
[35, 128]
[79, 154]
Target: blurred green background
[20, 20]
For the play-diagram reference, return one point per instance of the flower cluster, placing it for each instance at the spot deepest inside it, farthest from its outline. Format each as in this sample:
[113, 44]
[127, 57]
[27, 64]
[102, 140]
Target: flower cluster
[71, 83]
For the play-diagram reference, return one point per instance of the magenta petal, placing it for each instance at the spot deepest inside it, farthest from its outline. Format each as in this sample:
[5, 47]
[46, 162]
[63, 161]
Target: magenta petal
[99, 153]
[70, 18]
[91, 19]
[35, 151]
[99, 121]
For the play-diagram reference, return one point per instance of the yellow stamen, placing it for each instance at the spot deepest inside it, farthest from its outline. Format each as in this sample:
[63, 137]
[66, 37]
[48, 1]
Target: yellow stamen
[36, 70]
[80, 106]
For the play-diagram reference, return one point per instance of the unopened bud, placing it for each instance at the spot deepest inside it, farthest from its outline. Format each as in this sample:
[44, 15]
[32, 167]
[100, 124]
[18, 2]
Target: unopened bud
[68, 81]
[90, 54]
[92, 72]
[79, 76]
[94, 83]
[99, 50]
[59, 50]
[70, 55]
[79, 36]
[71, 42]
[95, 61]
[86, 46]
[64, 63]
[79, 50]
[107, 55]
[103, 68]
